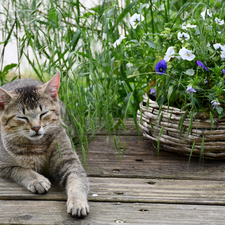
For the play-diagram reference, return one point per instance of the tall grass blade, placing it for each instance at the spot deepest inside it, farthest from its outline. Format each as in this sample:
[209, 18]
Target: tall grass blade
[124, 13]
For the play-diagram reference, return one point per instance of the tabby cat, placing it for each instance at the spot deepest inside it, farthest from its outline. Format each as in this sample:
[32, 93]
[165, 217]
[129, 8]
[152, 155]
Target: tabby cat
[33, 142]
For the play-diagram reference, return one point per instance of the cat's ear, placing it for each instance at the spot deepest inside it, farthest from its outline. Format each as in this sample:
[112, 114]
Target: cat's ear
[51, 88]
[4, 98]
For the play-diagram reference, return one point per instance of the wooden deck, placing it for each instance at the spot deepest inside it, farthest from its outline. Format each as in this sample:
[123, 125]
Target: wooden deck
[140, 188]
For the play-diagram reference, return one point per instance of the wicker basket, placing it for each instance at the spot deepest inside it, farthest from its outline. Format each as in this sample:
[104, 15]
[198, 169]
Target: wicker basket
[165, 127]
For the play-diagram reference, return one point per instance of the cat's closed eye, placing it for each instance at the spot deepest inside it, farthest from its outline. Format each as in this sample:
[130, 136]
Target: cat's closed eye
[23, 118]
[43, 114]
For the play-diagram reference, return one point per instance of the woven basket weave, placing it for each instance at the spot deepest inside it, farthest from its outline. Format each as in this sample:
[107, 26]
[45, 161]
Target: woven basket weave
[175, 139]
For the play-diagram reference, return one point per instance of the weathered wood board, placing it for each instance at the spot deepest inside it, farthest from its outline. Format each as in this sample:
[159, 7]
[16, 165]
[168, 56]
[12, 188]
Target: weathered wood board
[131, 190]
[54, 212]
[141, 160]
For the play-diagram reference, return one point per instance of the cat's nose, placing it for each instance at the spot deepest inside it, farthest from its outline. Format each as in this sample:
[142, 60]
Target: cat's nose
[36, 128]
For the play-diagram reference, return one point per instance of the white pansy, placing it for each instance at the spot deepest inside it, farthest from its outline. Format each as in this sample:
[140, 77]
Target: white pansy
[207, 12]
[183, 36]
[188, 25]
[219, 21]
[222, 55]
[218, 46]
[169, 53]
[186, 54]
[183, 26]
[135, 19]
[118, 41]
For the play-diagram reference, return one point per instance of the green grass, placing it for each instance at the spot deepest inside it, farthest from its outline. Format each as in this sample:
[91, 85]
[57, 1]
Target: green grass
[96, 84]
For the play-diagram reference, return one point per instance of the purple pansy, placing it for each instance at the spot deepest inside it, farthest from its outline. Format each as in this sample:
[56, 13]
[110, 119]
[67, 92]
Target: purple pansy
[153, 92]
[161, 67]
[223, 70]
[190, 90]
[215, 104]
[202, 65]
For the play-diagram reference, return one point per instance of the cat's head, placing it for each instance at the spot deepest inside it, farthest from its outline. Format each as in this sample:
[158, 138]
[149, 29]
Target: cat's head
[30, 112]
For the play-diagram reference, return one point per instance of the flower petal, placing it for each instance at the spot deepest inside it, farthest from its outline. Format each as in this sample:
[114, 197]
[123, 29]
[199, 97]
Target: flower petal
[161, 67]
[186, 54]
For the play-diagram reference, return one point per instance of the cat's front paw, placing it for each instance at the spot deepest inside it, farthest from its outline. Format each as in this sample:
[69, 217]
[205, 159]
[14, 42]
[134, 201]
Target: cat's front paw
[77, 208]
[40, 185]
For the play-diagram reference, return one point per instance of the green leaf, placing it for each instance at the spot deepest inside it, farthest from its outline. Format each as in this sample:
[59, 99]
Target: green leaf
[158, 141]
[190, 72]
[191, 122]
[123, 151]
[221, 115]
[9, 67]
[160, 100]
[126, 104]
[150, 44]
[193, 146]
[75, 39]
[170, 91]
[211, 119]
[219, 110]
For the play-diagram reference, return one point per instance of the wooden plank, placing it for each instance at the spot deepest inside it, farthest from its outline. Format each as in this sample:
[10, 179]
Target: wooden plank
[158, 191]
[141, 160]
[128, 129]
[10, 190]
[132, 190]
[54, 212]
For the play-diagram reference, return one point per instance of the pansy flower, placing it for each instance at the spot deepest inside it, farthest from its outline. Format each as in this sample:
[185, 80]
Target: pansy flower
[118, 41]
[190, 90]
[218, 46]
[183, 36]
[222, 55]
[161, 67]
[214, 104]
[219, 21]
[153, 92]
[202, 65]
[185, 26]
[169, 53]
[204, 13]
[186, 54]
[223, 70]
[135, 19]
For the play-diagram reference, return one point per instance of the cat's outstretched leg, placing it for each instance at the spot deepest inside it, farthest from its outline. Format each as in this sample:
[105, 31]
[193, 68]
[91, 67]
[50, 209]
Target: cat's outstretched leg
[28, 178]
[77, 205]
[66, 166]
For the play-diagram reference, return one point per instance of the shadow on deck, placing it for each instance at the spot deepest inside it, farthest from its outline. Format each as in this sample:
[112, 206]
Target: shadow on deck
[140, 188]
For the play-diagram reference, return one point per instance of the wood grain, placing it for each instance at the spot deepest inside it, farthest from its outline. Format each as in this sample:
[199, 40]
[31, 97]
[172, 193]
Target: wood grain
[52, 212]
[141, 160]
[131, 190]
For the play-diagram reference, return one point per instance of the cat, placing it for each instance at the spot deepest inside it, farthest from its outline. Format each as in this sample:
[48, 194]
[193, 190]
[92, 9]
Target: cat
[33, 142]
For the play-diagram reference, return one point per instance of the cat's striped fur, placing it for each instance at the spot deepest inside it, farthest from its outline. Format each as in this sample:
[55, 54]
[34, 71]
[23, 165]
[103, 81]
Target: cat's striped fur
[34, 142]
